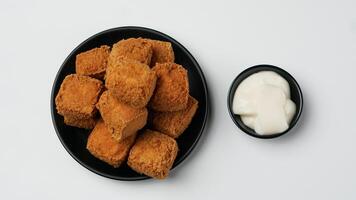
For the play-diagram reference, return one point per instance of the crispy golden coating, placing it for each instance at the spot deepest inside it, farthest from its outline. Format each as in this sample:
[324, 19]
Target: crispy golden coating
[77, 96]
[172, 88]
[131, 82]
[80, 123]
[104, 147]
[175, 123]
[134, 48]
[153, 154]
[121, 119]
[162, 52]
[93, 62]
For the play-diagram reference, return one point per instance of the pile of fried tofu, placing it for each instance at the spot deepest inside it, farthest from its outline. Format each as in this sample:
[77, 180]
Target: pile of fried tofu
[117, 90]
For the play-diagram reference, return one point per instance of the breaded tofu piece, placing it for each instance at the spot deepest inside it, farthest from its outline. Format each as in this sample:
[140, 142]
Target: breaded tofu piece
[131, 82]
[80, 123]
[77, 96]
[153, 154]
[104, 147]
[175, 123]
[162, 52]
[121, 119]
[93, 62]
[172, 88]
[134, 48]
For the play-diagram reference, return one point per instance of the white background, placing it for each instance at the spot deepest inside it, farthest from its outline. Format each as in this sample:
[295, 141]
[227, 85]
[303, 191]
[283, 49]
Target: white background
[314, 40]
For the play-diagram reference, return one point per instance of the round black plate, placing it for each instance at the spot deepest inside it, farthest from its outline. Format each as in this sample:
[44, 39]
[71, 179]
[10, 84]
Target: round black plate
[74, 139]
[296, 96]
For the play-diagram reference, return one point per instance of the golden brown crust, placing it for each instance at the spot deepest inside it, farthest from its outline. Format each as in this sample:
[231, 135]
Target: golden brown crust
[175, 123]
[162, 52]
[80, 123]
[172, 88]
[104, 147]
[131, 82]
[93, 62]
[121, 119]
[77, 96]
[153, 154]
[133, 48]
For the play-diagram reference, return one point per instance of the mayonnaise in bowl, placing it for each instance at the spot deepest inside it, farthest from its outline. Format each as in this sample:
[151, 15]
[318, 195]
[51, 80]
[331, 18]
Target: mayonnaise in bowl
[264, 103]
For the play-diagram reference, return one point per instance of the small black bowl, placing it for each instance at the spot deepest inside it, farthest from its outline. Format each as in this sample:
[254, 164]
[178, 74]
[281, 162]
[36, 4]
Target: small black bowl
[74, 139]
[296, 96]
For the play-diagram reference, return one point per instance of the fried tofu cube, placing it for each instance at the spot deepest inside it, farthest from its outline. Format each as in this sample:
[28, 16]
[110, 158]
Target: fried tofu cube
[174, 123]
[131, 82]
[77, 96]
[172, 88]
[121, 119]
[153, 154]
[104, 147]
[162, 52]
[93, 62]
[80, 123]
[134, 48]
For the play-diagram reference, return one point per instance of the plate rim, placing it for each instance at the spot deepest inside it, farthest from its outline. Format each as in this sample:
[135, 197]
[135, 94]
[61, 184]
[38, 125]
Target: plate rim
[137, 28]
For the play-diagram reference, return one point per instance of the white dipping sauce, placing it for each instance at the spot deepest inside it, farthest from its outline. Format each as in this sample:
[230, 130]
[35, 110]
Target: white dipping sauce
[263, 102]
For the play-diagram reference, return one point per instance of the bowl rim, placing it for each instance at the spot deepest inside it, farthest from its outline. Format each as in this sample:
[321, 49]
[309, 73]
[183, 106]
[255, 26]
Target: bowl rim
[289, 79]
[136, 28]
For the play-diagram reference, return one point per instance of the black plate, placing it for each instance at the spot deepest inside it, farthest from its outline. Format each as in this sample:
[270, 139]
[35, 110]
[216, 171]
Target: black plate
[296, 96]
[74, 139]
